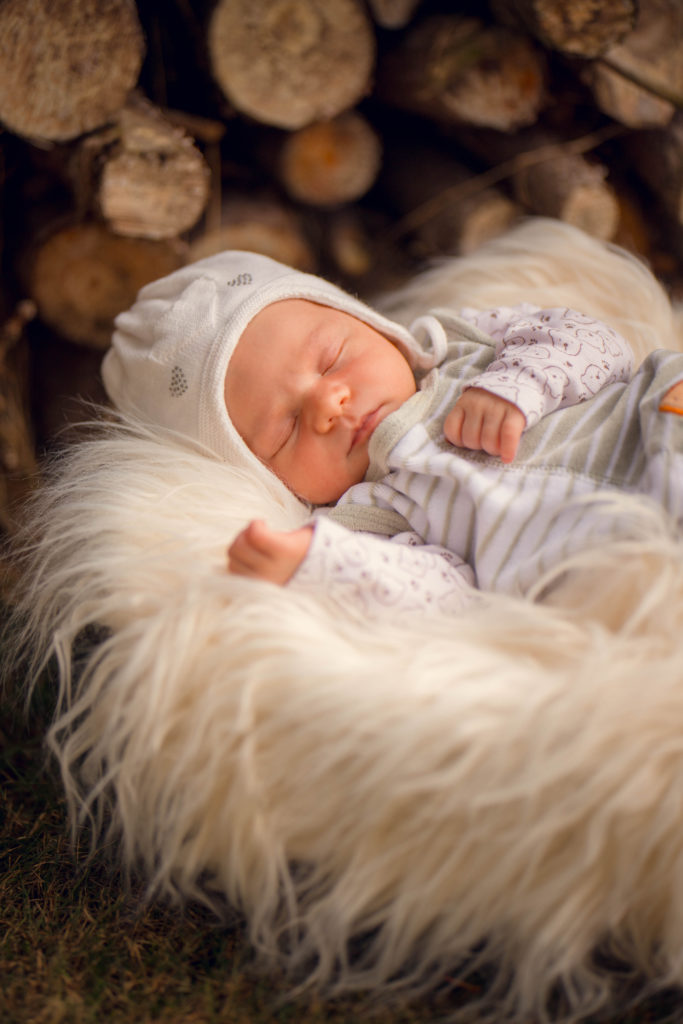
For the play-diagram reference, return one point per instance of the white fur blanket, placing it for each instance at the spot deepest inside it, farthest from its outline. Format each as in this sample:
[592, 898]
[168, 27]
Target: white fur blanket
[510, 782]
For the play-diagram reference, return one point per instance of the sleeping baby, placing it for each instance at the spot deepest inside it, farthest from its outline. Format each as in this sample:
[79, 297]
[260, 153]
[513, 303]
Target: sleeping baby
[475, 451]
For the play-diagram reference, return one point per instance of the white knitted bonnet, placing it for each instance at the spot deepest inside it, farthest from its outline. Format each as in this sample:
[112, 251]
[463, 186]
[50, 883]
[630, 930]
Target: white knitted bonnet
[170, 351]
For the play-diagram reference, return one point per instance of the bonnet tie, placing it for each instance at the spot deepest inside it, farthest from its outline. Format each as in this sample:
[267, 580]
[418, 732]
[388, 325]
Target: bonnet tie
[430, 334]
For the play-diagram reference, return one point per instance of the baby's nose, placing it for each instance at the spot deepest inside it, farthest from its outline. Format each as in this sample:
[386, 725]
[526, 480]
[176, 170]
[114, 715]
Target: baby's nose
[328, 400]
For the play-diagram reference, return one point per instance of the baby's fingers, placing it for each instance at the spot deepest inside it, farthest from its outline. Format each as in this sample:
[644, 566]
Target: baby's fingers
[510, 432]
[252, 550]
[267, 554]
[258, 538]
[483, 421]
[465, 422]
[245, 555]
[501, 430]
[453, 425]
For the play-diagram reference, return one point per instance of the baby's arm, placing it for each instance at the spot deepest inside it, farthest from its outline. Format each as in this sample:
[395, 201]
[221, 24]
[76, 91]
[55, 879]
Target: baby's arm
[267, 554]
[368, 574]
[545, 359]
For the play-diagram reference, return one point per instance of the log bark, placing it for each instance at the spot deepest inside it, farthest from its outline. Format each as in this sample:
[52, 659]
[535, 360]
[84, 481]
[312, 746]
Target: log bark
[639, 82]
[461, 219]
[330, 162]
[257, 224]
[459, 70]
[626, 101]
[66, 68]
[658, 158]
[584, 28]
[393, 13]
[154, 181]
[289, 63]
[82, 276]
[573, 189]
[552, 178]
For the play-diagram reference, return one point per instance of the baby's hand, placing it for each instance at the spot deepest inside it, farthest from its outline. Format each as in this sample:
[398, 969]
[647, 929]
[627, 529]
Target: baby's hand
[484, 422]
[267, 554]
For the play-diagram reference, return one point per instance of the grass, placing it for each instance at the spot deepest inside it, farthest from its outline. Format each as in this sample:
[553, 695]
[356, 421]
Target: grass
[79, 947]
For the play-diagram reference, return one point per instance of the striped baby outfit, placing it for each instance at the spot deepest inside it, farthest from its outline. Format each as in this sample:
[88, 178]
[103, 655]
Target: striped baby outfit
[592, 428]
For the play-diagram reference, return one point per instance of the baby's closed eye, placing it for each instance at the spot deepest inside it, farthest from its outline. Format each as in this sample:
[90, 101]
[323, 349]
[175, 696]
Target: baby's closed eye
[331, 358]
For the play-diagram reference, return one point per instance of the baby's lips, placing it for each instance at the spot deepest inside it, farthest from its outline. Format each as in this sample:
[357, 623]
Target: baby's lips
[366, 427]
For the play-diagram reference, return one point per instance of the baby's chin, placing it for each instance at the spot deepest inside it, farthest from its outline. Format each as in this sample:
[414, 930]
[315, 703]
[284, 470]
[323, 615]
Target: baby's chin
[323, 499]
[330, 495]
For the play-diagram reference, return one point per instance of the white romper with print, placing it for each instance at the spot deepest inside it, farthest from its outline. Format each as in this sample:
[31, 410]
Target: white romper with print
[466, 518]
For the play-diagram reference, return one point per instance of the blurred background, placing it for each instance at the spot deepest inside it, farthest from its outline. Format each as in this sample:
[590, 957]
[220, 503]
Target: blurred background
[359, 139]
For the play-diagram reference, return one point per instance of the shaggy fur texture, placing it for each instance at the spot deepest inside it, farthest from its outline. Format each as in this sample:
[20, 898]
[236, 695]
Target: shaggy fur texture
[504, 789]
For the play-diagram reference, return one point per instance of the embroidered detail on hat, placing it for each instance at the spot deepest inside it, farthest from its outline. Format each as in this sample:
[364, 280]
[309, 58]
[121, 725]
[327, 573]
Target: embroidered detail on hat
[179, 383]
[240, 279]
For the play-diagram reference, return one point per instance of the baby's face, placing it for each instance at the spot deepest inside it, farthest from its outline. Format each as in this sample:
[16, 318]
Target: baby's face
[306, 387]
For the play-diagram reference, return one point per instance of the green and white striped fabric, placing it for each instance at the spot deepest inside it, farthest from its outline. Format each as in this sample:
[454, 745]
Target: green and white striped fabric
[512, 522]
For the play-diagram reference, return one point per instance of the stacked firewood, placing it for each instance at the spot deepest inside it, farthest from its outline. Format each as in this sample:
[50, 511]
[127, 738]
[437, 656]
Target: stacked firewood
[356, 138]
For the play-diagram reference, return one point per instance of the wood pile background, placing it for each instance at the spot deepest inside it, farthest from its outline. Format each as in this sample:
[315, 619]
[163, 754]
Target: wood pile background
[355, 138]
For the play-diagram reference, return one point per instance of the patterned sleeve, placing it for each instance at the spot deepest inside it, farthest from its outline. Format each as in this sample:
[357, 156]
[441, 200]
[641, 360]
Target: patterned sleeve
[379, 577]
[549, 358]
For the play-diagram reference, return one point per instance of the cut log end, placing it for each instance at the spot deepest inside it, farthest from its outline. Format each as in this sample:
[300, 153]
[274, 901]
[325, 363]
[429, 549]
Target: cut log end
[289, 63]
[151, 197]
[459, 70]
[155, 183]
[258, 225]
[505, 94]
[485, 217]
[584, 28]
[84, 275]
[594, 209]
[350, 244]
[393, 13]
[639, 81]
[331, 162]
[573, 190]
[66, 68]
